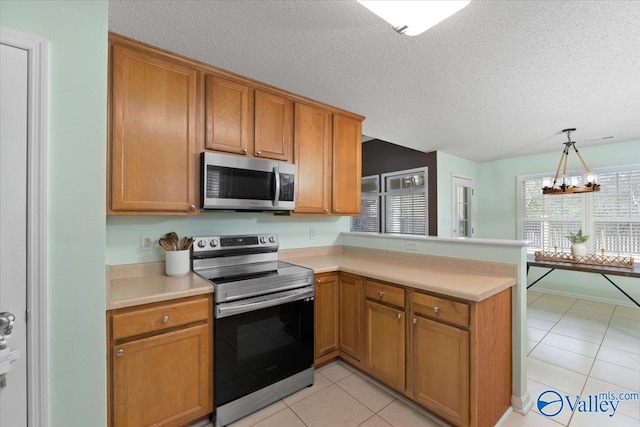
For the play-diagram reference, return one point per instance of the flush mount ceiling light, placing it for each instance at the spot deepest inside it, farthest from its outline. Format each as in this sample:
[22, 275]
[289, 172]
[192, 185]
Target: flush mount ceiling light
[414, 17]
[561, 184]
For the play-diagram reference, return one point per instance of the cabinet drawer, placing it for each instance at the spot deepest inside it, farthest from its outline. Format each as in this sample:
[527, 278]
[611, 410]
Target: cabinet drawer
[159, 318]
[385, 294]
[442, 309]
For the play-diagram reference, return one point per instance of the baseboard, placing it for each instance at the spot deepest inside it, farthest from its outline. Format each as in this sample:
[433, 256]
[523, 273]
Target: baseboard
[584, 297]
[522, 404]
[504, 417]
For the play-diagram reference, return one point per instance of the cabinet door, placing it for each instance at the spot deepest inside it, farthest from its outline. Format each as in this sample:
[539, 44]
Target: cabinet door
[153, 140]
[272, 126]
[347, 165]
[385, 344]
[326, 315]
[441, 369]
[350, 314]
[312, 137]
[163, 380]
[228, 119]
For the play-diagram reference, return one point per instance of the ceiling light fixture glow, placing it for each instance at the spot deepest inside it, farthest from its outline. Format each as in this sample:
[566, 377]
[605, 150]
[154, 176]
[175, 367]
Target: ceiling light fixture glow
[414, 17]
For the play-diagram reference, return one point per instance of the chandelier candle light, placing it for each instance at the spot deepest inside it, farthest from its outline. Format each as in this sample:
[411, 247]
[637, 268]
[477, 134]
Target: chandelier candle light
[561, 185]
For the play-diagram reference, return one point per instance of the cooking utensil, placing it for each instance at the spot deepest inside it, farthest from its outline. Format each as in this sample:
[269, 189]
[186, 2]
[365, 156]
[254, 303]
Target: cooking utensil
[174, 238]
[166, 244]
[182, 244]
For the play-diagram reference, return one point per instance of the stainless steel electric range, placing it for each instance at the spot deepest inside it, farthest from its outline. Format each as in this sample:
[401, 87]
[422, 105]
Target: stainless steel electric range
[263, 339]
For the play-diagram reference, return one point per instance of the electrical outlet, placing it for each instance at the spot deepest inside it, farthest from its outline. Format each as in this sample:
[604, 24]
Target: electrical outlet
[146, 243]
[313, 233]
[411, 246]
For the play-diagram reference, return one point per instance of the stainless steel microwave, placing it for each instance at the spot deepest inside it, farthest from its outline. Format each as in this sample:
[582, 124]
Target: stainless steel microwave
[244, 184]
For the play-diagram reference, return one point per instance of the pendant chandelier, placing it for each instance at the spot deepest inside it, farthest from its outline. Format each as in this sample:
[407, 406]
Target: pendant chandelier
[561, 183]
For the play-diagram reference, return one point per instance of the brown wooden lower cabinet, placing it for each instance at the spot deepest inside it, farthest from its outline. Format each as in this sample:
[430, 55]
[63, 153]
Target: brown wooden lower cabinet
[327, 320]
[351, 297]
[441, 369]
[160, 363]
[385, 348]
[451, 356]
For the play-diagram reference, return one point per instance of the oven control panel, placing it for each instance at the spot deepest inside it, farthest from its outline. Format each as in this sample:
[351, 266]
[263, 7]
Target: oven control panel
[221, 243]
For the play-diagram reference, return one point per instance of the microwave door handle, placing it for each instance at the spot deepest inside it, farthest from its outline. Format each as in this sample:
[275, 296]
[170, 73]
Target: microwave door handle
[276, 196]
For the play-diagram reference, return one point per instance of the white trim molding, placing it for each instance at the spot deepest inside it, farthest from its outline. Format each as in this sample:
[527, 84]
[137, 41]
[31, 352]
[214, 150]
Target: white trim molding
[37, 344]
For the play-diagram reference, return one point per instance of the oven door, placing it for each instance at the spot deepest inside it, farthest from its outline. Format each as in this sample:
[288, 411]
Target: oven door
[262, 343]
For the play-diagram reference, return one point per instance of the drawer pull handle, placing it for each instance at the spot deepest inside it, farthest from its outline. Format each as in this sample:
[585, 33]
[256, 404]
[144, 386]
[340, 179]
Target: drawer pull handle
[399, 315]
[414, 320]
[120, 352]
[436, 309]
[165, 319]
[380, 294]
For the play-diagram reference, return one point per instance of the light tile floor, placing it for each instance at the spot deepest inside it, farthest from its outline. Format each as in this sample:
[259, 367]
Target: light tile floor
[575, 347]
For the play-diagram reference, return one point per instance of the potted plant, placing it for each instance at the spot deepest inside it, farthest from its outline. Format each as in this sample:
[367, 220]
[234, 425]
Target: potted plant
[578, 243]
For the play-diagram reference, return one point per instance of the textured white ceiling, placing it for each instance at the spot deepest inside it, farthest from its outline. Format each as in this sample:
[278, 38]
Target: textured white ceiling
[499, 79]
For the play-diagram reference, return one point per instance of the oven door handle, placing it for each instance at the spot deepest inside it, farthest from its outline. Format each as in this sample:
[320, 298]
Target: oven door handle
[229, 309]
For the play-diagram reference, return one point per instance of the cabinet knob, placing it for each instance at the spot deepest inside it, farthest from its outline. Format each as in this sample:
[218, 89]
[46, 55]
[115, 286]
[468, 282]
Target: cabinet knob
[399, 315]
[414, 320]
[192, 207]
[381, 293]
[436, 309]
[244, 150]
[325, 210]
[120, 352]
[318, 280]
[259, 153]
[335, 210]
[165, 319]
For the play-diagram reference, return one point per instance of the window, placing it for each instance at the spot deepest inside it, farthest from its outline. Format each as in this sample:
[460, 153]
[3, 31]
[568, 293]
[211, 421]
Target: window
[405, 202]
[400, 209]
[369, 219]
[611, 216]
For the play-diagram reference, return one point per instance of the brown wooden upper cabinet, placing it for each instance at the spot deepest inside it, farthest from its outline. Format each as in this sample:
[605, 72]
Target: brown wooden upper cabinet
[328, 155]
[247, 121]
[228, 110]
[152, 152]
[165, 109]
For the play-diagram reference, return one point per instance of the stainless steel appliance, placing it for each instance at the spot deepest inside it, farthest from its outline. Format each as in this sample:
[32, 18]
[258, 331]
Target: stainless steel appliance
[239, 183]
[263, 339]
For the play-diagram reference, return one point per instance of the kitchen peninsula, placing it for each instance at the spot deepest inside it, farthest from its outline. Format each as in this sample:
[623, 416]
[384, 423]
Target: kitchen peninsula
[454, 343]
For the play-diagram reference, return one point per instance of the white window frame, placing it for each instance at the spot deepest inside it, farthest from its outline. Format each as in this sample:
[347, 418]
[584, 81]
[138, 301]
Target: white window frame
[386, 193]
[587, 219]
[371, 195]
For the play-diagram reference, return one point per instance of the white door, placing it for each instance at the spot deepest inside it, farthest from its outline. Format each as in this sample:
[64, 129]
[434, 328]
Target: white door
[13, 228]
[462, 201]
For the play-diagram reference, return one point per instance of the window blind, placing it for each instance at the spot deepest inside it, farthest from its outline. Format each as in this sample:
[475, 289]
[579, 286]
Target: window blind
[613, 213]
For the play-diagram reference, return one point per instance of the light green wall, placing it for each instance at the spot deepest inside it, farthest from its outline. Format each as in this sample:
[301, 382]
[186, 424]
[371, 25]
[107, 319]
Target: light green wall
[496, 209]
[77, 32]
[496, 214]
[123, 233]
[449, 165]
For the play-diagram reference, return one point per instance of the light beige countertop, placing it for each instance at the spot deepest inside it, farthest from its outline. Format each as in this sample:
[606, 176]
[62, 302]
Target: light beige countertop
[466, 279]
[136, 284]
